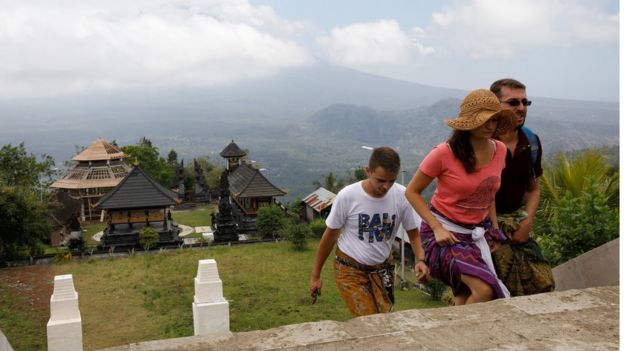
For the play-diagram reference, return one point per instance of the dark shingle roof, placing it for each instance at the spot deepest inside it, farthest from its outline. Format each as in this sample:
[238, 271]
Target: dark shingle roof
[246, 181]
[137, 190]
[232, 150]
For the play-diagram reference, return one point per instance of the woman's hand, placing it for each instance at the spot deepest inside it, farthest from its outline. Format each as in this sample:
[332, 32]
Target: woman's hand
[444, 237]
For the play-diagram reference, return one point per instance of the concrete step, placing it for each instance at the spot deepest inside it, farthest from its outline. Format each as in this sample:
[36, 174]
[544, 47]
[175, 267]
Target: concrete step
[585, 319]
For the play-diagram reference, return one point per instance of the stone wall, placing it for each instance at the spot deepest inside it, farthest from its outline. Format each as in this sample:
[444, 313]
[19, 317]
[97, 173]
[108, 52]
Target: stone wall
[598, 267]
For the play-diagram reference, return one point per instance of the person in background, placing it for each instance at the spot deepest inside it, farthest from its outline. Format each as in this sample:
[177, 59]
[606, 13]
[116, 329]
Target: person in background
[459, 225]
[363, 222]
[520, 263]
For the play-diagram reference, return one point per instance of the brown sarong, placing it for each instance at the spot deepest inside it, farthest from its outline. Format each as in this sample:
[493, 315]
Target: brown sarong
[521, 267]
[365, 289]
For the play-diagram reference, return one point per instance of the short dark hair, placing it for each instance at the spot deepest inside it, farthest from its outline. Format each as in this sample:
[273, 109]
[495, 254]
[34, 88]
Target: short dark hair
[386, 158]
[497, 86]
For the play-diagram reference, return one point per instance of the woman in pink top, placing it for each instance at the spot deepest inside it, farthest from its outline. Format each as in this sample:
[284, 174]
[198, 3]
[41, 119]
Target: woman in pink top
[457, 230]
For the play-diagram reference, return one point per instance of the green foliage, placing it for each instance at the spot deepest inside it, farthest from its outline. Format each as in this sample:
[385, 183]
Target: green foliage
[579, 209]
[331, 183]
[172, 158]
[359, 174]
[317, 227]
[580, 224]
[23, 223]
[436, 288]
[211, 173]
[148, 237]
[269, 221]
[564, 175]
[296, 233]
[150, 161]
[18, 168]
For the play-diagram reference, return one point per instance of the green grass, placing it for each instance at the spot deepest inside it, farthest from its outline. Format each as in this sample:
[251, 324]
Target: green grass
[157, 291]
[89, 230]
[149, 297]
[21, 324]
[196, 217]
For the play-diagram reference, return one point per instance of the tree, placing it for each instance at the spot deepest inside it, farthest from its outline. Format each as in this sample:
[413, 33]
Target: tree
[172, 158]
[18, 168]
[150, 161]
[23, 223]
[331, 183]
[269, 221]
[587, 169]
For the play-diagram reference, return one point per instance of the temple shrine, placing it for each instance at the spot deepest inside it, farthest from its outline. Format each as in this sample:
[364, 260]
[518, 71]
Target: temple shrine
[249, 188]
[138, 201]
[99, 168]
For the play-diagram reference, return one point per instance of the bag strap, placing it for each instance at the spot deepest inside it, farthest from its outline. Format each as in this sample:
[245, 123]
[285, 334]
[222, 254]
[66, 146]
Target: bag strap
[533, 146]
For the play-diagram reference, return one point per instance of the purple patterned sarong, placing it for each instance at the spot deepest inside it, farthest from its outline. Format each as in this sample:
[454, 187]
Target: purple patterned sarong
[448, 263]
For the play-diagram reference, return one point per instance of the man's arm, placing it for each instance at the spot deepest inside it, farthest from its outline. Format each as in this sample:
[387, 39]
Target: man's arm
[532, 198]
[330, 236]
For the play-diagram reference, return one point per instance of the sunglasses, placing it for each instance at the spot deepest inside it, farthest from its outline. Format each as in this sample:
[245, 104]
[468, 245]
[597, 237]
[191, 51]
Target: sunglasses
[516, 102]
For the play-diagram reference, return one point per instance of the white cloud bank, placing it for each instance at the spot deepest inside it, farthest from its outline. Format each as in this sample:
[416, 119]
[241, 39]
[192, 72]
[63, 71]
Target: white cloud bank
[485, 29]
[477, 29]
[49, 48]
[366, 45]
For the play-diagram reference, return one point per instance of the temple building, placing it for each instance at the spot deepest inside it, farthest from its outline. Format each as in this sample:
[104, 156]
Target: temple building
[138, 201]
[99, 168]
[249, 188]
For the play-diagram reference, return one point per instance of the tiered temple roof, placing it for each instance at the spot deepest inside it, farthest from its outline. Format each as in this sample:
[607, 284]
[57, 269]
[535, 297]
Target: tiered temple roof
[232, 150]
[138, 190]
[99, 166]
[247, 181]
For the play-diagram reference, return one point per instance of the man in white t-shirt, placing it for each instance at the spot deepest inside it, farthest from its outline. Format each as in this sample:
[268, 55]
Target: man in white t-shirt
[364, 220]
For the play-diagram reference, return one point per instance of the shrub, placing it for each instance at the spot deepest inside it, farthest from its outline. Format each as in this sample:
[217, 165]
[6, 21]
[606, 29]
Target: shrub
[436, 289]
[579, 225]
[270, 220]
[317, 227]
[148, 237]
[296, 233]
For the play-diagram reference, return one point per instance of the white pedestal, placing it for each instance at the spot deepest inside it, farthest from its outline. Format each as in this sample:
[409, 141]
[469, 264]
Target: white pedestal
[65, 335]
[211, 312]
[65, 325]
[212, 318]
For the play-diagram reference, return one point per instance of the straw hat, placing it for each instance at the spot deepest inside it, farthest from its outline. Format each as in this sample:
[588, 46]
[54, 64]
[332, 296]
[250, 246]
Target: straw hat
[477, 108]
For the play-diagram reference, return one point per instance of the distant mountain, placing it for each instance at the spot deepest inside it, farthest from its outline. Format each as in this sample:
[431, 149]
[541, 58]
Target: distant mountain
[299, 124]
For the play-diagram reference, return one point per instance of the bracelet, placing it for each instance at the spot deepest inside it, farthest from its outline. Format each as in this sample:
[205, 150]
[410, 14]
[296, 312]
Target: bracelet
[421, 260]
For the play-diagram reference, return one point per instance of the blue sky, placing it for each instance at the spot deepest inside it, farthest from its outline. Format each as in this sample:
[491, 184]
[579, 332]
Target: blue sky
[563, 49]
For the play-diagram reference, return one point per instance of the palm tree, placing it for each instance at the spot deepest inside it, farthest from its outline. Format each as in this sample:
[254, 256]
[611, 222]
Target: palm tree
[577, 176]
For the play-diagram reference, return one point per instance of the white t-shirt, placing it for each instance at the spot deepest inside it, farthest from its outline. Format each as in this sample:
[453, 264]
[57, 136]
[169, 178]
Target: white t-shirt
[369, 224]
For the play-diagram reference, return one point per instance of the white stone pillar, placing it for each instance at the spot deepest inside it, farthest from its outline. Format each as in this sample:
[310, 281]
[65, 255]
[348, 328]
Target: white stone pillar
[211, 312]
[4, 343]
[65, 324]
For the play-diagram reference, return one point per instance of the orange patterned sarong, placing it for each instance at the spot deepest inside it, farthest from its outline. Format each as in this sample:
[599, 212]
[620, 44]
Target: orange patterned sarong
[365, 289]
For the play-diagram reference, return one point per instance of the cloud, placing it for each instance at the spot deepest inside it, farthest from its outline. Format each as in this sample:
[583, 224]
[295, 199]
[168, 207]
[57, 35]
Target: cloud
[368, 46]
[486, 29]
[77, 46]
